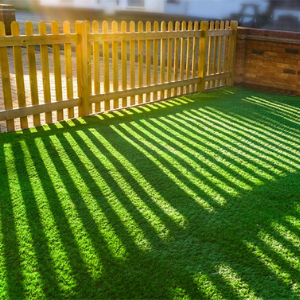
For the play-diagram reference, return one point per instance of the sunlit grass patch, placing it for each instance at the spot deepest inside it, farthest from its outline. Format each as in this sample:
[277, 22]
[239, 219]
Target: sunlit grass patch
[194, 198]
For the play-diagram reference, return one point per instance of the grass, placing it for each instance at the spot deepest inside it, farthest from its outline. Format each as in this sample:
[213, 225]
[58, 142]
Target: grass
[194, 198]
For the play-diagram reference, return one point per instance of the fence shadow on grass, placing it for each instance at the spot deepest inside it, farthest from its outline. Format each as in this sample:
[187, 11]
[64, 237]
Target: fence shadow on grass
[189, 198]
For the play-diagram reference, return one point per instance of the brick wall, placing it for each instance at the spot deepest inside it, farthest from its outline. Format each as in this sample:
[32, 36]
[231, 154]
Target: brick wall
[268, 59]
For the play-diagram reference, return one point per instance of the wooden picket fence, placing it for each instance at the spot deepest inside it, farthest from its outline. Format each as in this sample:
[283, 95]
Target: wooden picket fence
[52, 77]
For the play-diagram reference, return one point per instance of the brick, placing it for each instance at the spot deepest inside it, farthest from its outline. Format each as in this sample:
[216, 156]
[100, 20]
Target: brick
[270, 64]
[282, 76]
[251, 67]
[288, 55]
[277, 49]
[257, 61]
[277, 59]
[295, 46]
[290, 61]
[240, 56]
[282, 45]
[265, 48]
[283, 66]
[268, 73]
[250, 75]
[270, 53]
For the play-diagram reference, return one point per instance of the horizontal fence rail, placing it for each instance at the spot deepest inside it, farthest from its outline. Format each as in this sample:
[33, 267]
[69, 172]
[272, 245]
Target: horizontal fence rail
[57, 74]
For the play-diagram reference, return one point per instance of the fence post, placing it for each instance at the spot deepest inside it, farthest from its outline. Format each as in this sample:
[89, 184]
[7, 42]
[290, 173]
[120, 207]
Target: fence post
[232, 51]
[202, 64]
[82, 66]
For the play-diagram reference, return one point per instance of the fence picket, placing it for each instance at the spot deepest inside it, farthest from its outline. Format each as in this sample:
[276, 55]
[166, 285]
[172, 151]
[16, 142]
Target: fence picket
[169, 59]
[68, 67]
[210, 54]
[124, 63]
[89, 63]
[182, 56]
[15, 31]
[176, 57]
[45, 71]
[140, 61]
[155, 59]
[32, 73]
[220, 53]
[215, 53]
[132, 63]
[57, 70]
[106, 65]
[5, 74]
[148, 60]
[188, 57]
[83, 65]
[78, 65]
[163, 59]
[96, 65]
[226, 41]
[194, 55]
[115, 64]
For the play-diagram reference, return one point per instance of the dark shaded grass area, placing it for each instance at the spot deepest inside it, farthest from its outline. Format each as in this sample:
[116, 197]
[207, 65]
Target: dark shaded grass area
[194, 198]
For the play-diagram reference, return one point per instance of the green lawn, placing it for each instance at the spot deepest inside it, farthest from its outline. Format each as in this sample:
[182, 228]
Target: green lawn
[193, 198]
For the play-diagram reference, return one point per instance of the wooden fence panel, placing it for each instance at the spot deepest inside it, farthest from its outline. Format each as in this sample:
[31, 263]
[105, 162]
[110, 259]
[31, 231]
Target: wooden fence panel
[169, 62]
